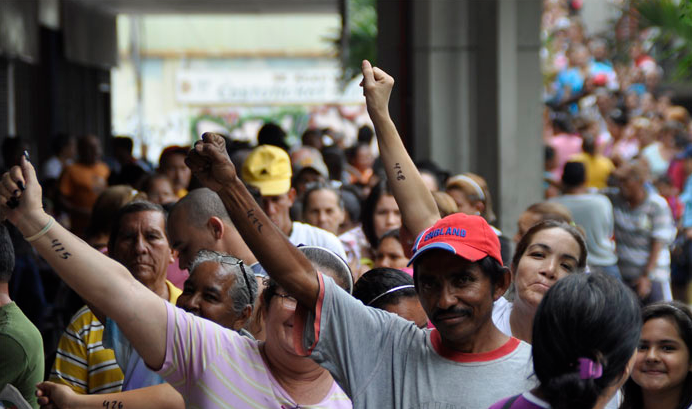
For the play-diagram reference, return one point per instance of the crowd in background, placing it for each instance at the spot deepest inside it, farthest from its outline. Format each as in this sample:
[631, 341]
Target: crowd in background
[617, 205]
[611, 129]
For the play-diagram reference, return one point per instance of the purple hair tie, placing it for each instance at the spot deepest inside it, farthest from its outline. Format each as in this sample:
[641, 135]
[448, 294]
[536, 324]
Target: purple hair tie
[589, 369]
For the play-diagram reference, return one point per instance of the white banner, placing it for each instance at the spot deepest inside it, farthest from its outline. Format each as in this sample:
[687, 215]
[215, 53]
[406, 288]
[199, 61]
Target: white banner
[265, 86]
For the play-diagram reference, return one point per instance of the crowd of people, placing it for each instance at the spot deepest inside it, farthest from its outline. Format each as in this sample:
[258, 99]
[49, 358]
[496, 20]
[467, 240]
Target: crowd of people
[616, 156]
[326, 276]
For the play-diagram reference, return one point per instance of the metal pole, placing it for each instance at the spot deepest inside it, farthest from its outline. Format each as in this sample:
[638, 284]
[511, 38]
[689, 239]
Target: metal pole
[136, 29]
[345, 39]
[11, 107]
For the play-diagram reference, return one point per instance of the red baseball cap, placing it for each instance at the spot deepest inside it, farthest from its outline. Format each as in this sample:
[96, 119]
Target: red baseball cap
[470, 237]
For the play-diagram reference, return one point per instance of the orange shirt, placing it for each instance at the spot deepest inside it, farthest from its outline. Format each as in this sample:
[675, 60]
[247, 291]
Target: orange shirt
[81, 184]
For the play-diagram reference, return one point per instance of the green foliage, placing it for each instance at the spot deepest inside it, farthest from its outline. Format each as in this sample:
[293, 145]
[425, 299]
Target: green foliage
[674, 20]
[362, 41]
[298, 118]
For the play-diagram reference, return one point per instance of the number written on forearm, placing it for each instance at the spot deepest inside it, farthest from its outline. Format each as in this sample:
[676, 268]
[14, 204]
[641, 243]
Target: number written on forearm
[60, 249]
[399, 172]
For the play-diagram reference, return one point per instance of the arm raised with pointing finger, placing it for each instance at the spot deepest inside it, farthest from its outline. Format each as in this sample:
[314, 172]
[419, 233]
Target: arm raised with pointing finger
[100, 280]
[416, 203]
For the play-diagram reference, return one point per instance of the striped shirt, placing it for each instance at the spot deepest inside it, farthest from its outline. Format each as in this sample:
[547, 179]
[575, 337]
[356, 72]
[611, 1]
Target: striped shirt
[635, 231]
[81, 361]
[215, 367]
[137, 374]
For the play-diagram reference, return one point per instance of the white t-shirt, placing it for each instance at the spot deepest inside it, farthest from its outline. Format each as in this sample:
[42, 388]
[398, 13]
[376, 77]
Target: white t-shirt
[308, 235]
[502, 309]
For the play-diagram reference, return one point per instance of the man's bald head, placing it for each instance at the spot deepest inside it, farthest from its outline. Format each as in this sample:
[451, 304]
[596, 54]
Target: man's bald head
[199, 206]
[199, 221]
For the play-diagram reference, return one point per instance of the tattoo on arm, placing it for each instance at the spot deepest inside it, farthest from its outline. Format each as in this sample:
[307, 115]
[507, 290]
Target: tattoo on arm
[255, 220]
[59, 248]
[112, 404]
[399, 173]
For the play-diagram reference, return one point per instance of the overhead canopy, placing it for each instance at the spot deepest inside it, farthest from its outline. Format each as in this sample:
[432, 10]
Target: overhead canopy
[215, 6]
[89, 25]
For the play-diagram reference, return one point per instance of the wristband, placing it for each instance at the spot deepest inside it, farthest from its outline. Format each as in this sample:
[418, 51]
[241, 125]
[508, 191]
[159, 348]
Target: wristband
[43, 231]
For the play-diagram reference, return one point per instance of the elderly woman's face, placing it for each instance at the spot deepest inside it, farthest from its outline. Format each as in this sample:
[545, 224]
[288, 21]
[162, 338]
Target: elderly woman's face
[207, 294]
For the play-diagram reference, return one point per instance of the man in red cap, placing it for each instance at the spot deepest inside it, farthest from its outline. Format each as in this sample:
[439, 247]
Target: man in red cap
[377, 358]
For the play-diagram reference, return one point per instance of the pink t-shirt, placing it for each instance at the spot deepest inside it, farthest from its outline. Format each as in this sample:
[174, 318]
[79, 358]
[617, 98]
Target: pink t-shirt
[215, 367]
[175, 275]
[566, 146]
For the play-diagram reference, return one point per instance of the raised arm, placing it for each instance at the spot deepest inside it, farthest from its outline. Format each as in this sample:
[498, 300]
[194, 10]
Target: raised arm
[416, 203]
[101, 281]
[55, 396]
[211, 165]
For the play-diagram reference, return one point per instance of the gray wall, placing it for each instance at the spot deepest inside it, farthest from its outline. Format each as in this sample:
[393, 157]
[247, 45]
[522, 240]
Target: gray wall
[470, 96]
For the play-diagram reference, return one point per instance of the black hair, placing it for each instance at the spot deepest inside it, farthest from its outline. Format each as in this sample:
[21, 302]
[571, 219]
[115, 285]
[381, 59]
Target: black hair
[335, 160]
[12, 148]
[351, 201]
[133, 207]
[392, 234]
[368, 211]
[573, 175]
[365, 134]
[6, 255]
[548, 152]
[619, 116]
[309, 134]
[432, 168]
[123, 142]
[681, 317]
[371, 288]
[493, 269]
[588, 144]
[272, 134]
[591, 316]
[352, 152]
[256, 194]
[562, 122]
[233, 146]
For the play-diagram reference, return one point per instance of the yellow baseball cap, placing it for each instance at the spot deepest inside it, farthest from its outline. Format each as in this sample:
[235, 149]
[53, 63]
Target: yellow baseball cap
[268, 168]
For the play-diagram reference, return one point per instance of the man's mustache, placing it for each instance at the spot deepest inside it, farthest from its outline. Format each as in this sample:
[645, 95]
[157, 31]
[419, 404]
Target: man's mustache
[451, 312]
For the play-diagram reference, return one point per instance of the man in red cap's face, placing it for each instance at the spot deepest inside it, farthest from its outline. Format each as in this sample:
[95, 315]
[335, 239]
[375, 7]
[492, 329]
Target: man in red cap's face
[459, 275]
[457, 295]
